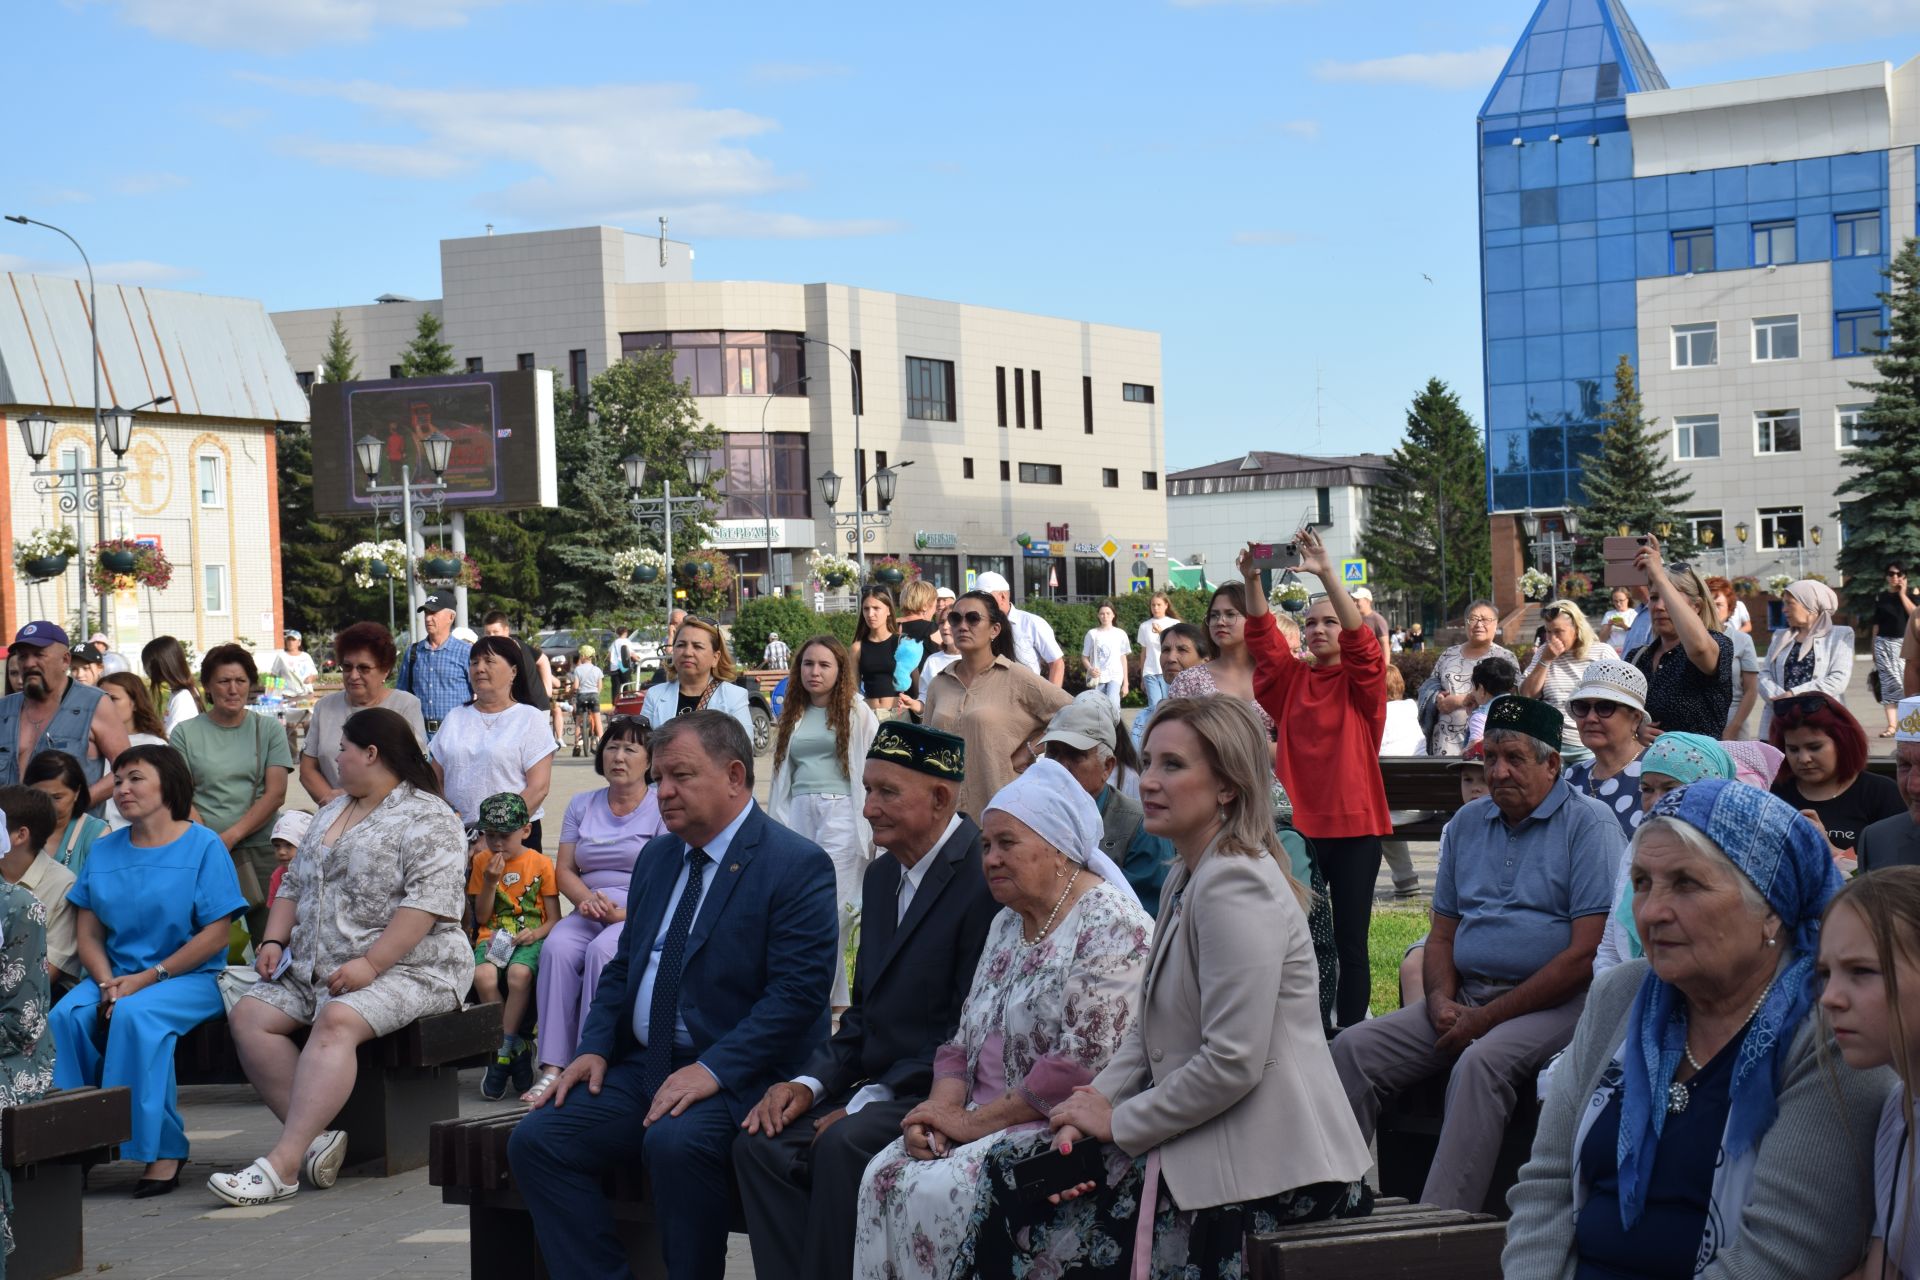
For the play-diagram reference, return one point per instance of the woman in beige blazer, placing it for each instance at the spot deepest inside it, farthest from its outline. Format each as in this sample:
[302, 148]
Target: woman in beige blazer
[1220, 1110]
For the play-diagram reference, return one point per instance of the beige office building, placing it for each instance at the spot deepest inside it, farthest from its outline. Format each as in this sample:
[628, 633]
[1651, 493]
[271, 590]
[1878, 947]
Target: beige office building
[996, 423]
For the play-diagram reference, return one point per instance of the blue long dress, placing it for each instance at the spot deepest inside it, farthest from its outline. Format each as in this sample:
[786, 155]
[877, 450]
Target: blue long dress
[150, 902]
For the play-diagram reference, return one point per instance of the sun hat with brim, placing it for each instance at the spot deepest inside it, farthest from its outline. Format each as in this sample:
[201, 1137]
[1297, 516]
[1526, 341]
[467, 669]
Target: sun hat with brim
[1084, 723]
[1610, 681]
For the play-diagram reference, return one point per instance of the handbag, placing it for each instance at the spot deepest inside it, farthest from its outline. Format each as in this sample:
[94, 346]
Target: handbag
[234, 981]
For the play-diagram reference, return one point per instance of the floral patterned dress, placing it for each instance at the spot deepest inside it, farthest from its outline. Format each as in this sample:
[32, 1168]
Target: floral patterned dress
[1038, 1020]
[26, 1050]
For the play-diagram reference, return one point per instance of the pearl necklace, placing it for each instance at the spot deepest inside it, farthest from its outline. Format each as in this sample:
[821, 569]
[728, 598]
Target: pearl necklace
[1052, 915]
[1680, 1093]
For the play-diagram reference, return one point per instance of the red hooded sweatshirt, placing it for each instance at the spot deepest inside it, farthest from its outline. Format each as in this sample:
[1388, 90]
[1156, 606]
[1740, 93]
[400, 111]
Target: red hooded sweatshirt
[1330, 721]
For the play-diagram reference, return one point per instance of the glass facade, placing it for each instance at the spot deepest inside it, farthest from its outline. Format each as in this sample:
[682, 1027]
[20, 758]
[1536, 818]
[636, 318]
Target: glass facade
[1567, 230]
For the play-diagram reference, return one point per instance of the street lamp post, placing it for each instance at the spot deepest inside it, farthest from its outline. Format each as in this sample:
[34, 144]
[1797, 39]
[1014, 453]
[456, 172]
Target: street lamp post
[412, 499]
[658, 513]
[68, 485]
[860, 524]
[1540, 532]
[859, 536]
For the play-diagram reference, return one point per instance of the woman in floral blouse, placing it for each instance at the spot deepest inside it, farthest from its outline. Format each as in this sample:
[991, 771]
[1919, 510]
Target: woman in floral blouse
[363, 939]
[1056, 989]
[26, 1050]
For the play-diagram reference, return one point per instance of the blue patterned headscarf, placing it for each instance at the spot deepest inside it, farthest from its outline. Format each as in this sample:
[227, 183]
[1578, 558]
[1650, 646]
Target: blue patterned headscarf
[1789, 862]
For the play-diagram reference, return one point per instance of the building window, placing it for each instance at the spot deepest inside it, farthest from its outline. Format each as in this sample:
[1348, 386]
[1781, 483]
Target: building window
[1006, 471]
[1696, 346]
[740, 473]
[1696, 437]
[930, 389]
[1772, 244]
[1109, 477]
[577, 373]
[859, 381]
[1136, 393]
[523, 361]
[1020, 398]
[210, 469]
[213, 588]
[1039, 473]
[1038, 424]
[1149, 479]
[1856, 235]
[1700, 522]
[1000, 393]
[1692, 251]
[1775, 521]
[476, 364]
[966, 468]
[1086, 402]
[1852, 424]
[393, 370]
[1776, 338]
[715, 363]
[305, 380]
[1855, 333]
[1776, 431]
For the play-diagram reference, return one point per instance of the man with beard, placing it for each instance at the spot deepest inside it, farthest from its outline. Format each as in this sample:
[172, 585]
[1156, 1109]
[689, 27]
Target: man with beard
[55, 712]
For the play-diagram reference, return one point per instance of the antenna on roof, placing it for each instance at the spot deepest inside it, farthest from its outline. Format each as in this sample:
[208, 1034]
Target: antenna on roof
[1317, 370]
[663, 240]
[489, 228]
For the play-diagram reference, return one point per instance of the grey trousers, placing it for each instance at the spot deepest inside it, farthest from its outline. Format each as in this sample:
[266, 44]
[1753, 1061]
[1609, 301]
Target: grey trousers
[1382, 1056]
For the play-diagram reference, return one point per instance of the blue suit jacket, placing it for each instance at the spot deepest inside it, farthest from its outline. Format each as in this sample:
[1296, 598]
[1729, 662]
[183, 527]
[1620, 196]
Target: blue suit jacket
[759, 963]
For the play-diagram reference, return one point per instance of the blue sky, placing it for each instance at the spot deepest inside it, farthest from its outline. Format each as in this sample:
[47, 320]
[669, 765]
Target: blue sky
[1266, 184]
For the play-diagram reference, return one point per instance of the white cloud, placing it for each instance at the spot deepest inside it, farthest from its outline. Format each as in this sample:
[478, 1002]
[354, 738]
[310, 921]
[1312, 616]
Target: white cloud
[1726, 30]
[1465, 69]
[286, 26]
[797, 72]
[137, 271]
[1270, 238]
[146, 184]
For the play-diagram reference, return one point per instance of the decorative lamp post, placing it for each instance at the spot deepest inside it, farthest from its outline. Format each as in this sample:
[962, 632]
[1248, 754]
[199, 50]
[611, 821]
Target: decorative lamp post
[658, 513]
[411, 502]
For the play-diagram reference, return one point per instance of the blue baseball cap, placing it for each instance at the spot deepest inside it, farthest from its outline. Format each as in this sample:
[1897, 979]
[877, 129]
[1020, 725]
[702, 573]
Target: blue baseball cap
[41, 635]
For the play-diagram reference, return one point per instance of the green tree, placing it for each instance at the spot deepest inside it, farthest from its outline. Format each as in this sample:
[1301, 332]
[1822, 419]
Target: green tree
[1428, 524]
[340, 365]
[1880, 495]
[310, 573]
[428, 355]
[1630, 480]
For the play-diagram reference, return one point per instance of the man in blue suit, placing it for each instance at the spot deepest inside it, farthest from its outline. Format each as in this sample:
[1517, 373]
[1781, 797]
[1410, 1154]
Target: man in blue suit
[720, 988]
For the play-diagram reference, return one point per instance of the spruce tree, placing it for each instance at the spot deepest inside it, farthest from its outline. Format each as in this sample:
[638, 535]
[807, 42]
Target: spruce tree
[1880, 495]
[427, 356]
[1631, 482]
[310, 547]
[340, 365]
[1437, 478]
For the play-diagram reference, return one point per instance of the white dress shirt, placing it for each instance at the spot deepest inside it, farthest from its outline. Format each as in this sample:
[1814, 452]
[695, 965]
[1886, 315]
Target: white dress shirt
[1034, 646]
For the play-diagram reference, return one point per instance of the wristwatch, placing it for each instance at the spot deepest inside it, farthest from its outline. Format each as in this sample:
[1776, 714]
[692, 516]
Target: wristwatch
[161, 970]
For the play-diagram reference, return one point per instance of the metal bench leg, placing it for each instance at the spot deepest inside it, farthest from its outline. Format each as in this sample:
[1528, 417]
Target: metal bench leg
[47, 1224]
[389, 1113]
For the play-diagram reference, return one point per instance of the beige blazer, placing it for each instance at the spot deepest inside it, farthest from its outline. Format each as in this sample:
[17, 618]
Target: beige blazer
[1226, 1069]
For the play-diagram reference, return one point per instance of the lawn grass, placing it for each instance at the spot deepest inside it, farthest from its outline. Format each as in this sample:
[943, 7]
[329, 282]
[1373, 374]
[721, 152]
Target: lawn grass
[1395, 928]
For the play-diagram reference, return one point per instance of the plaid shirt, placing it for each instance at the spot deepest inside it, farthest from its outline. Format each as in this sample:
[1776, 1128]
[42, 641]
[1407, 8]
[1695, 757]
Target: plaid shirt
[438, 677]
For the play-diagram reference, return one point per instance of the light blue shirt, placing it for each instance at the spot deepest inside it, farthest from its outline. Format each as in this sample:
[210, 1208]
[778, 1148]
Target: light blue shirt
[1639, 633]
[716, 850]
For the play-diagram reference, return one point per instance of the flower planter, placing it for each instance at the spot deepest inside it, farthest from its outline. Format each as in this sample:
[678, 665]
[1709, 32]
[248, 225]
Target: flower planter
[377, 569]
[47, 566]
[119, 561]
[835, 581]
[889, 575]
[646, 573]
[691, 571]
[1293, 604]
[440, 567]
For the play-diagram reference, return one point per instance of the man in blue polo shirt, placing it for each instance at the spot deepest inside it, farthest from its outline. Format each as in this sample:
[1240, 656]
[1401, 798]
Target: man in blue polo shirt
[435, 669]
[1522, 892]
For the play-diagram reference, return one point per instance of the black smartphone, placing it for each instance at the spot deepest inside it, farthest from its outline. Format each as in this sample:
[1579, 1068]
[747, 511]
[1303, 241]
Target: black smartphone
[1054, 1171]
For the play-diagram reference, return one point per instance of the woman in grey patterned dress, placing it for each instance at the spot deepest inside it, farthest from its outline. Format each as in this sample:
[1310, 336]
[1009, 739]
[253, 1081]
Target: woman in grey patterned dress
[26, 1050]
[364, 938]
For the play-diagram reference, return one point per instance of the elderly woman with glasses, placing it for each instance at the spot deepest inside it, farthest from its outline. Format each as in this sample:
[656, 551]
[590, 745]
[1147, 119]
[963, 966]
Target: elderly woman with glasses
[1689, 662]
[1696, 1125]
[1826, 776]
[366, 654]
[1610, 706]
[1811, 654]
[1446, 698]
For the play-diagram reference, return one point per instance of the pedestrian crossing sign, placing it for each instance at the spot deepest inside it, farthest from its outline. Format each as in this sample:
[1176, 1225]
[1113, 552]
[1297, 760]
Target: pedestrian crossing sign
[1353, 573]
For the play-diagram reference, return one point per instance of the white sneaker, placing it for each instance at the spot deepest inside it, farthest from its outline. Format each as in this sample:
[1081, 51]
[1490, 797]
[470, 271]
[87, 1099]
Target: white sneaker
[325, 1155]
[254, 1185]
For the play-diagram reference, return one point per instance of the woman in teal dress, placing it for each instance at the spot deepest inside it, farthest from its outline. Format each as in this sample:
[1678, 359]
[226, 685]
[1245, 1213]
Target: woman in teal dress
[155, 901]
[26, 1050]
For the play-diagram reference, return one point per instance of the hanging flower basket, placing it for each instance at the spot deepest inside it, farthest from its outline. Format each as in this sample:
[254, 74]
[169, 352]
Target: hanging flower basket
[1746, 585]
[373, 562]
[833, 570]
[638, 565]
[1576, 586]
[706, 579]
[443, 568]
[1535, 585]
[122, 562]
[44, 553]
[1779, 582]
[892, 571]
[1292, 597]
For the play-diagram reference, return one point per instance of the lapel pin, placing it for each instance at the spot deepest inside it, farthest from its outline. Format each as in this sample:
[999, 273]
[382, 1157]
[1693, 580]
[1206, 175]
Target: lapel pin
[734, 867]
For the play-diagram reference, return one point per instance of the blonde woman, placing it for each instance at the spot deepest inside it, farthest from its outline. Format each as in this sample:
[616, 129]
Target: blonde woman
[1689, 662]
[705, 672]
[819, 763]
[1557, 668]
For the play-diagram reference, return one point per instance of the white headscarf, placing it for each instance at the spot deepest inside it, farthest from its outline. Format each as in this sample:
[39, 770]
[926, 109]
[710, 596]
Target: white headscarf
[1051, 802]
[1818, 599]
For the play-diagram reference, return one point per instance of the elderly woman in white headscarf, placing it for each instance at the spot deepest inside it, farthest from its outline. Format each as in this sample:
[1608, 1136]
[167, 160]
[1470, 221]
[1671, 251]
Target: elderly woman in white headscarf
[1057, 988]
[1810, 654]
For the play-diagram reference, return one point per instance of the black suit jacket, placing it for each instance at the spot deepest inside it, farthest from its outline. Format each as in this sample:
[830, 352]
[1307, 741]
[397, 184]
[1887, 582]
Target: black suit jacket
[909, 979]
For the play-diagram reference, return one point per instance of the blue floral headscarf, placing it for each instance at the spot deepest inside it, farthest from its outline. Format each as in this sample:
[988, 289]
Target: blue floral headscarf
[1787, 859]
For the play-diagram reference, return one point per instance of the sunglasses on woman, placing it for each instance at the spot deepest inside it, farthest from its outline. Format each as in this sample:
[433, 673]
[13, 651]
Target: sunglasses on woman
[1581, 708]
[967, 618]
[1802, 704]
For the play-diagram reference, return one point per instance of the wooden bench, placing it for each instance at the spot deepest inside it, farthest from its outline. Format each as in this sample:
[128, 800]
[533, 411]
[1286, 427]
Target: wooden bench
[468, 1162]
[407, 1081]
[48, 1145]
[1407, 1134]
[1399, 1239]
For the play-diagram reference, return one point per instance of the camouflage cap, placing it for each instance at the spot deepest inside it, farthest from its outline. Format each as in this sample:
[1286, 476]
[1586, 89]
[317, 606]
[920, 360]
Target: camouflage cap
[502, 813]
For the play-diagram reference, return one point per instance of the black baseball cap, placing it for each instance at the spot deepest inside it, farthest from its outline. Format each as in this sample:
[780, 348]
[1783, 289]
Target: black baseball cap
[435, 603]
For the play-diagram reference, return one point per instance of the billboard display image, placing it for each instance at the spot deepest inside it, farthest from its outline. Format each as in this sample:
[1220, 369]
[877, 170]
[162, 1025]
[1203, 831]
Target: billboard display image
[501, 426]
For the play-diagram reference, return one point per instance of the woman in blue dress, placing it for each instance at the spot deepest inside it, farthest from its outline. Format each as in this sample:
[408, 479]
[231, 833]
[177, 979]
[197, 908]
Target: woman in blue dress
[155, 901]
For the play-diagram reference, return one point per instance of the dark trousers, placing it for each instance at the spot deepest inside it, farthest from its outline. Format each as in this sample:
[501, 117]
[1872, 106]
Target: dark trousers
[799, 1192]
[1351, 865]
[560, 1153]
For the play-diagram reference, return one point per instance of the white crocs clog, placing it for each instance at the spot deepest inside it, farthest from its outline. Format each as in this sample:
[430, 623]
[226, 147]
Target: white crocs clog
[256, 1184]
